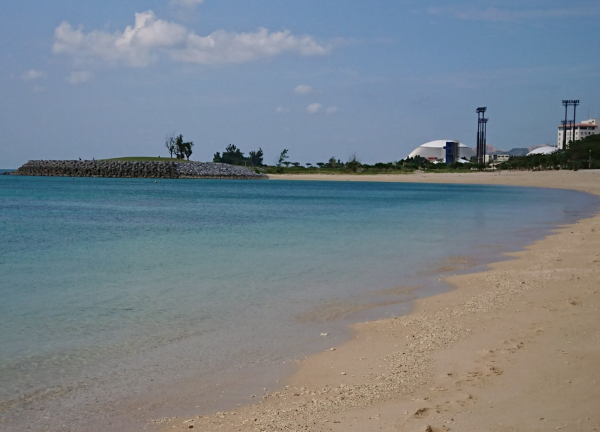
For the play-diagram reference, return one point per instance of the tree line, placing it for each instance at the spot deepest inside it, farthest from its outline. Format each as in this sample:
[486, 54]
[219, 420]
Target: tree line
[580, 154]
[234, 156]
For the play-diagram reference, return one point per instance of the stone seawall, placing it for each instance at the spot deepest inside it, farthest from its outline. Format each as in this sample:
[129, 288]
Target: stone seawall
[135, 169]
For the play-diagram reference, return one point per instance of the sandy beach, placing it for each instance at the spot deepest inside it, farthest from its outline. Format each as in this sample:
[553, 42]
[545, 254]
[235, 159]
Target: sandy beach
[513, 348]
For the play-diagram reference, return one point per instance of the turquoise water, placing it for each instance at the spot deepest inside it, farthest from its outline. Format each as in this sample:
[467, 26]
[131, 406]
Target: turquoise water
[107, 281]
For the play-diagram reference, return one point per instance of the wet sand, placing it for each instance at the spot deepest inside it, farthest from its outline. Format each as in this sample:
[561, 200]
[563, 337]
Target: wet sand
[513, 348]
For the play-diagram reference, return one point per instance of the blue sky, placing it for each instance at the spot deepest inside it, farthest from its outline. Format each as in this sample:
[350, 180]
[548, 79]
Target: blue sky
[320, 78]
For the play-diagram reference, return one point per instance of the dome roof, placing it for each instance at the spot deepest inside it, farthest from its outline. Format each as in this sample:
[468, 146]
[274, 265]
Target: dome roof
[441, 144]
[542, 150]
[435, 149]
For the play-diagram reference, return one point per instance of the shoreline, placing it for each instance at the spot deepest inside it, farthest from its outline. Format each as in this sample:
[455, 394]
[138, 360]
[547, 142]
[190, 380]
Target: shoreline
[577, 180]
[478, 356]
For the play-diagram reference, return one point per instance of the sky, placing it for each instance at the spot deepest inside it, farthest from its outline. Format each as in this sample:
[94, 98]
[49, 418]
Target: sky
[100, 79]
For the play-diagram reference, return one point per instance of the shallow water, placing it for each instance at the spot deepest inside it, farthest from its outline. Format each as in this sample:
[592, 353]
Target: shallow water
[107, 282]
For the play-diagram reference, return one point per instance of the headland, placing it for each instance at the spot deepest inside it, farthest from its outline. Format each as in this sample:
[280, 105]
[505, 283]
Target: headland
[136, 169]
[512, 348]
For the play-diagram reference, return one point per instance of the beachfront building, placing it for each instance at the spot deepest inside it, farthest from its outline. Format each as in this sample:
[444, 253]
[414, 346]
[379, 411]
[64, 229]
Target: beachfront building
[436, 151]
[581, 130]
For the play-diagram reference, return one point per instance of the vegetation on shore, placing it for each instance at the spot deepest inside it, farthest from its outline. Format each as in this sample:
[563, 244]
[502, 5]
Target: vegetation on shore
[234, 156]
[581, 154]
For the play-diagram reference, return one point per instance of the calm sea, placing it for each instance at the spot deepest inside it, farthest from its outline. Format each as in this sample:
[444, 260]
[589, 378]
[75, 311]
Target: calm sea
[114, 289]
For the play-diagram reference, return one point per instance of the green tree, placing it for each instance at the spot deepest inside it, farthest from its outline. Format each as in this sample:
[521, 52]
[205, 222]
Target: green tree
[187, 149]
[332, 163]
[580, 149]
[256, 157]
[283, 157]
[353, 163]
[179, 154]
[180, 148]
[233, 155]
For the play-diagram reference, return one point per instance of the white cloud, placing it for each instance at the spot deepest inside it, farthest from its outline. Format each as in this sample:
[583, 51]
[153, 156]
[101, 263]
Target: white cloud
[79, 77]
[141, 44]
[32, 74]
[281, 110]
[314, 108]
[331, 110]
[303, 89]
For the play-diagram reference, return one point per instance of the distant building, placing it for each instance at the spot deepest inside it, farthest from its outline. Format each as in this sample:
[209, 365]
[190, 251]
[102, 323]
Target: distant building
[500, 157]
[436, 150]
[582, 130]
[452, 149]
[542, 150]
[496, 158]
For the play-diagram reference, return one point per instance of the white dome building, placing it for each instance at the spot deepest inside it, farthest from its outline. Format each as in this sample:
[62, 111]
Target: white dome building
[545, 150]
[434, 150]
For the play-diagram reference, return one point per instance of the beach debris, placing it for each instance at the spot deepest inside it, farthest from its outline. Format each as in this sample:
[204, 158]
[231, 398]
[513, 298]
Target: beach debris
[421, 412]
[164, 420]
[342, 373]
[331, 349]
[324, 334]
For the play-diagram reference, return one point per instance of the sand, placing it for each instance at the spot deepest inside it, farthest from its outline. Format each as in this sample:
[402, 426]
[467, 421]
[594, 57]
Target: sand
[513, 348]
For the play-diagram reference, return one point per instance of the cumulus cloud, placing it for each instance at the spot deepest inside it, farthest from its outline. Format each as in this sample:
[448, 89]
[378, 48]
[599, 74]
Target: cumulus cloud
[331, 110]
[303, 89]
[79, 77]
[32, 75]
[281, 110]
[143, 43]
[314, 108]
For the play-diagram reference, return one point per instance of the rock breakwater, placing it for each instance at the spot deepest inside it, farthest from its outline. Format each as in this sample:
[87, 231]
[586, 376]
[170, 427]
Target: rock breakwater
[135, 169]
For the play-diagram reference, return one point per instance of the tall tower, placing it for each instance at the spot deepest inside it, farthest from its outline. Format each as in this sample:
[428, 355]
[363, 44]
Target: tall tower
[481, 134]
[567, 103]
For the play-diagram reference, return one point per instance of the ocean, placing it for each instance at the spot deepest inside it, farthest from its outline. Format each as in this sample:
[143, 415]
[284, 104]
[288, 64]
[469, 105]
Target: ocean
[123, 295]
